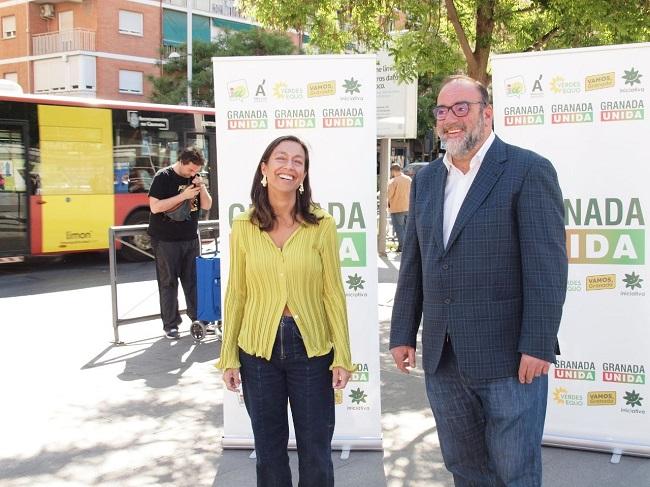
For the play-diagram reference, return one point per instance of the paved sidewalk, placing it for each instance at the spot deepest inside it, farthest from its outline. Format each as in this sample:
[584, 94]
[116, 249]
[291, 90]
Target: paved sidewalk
[79, 411]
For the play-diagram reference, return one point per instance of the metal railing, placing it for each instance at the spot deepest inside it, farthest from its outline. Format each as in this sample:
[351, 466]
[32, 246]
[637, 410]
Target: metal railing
[68, 40]
[117, 234]
[219, 7]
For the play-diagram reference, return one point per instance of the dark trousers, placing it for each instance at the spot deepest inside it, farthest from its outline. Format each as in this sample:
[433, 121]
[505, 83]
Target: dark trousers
[399, 226]
[490, 431]
[174, 261]
[307, 384]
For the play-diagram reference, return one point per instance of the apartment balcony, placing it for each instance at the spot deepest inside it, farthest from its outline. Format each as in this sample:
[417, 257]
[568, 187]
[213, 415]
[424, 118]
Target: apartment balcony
[66, 41]
[225, 8]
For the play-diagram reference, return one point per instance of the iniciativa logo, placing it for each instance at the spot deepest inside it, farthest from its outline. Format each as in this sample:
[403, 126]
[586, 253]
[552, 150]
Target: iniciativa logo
[355, 282]
[632, 76]
[358, 396]
[632, 280]
[352, 86]
[632, 398]
[633, 82]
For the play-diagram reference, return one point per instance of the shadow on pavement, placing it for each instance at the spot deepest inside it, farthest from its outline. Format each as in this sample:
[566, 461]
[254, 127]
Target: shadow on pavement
[68, 273]
[159, 361]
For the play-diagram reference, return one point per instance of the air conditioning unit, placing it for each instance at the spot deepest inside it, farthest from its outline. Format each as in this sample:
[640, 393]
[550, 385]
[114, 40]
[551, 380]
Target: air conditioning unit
[47, 11]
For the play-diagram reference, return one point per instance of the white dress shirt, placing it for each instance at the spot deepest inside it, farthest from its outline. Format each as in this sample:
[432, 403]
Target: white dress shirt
[457, 186]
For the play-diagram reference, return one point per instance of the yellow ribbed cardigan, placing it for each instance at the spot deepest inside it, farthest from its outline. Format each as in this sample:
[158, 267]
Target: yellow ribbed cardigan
[305, 275]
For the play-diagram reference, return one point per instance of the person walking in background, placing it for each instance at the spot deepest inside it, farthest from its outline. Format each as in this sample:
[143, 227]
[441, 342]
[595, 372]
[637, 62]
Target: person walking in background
[399, 189]
[484, 266]
[176, 194]
[285, 318]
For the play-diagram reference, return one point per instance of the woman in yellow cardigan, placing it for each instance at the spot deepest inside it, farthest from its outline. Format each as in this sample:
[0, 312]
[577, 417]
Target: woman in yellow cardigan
[285, 319]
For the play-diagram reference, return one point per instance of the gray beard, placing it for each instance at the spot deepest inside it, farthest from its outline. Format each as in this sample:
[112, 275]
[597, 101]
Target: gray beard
[467, 143]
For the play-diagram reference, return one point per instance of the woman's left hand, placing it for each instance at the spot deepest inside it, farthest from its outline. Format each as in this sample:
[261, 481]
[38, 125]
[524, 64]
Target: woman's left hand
[340, 377]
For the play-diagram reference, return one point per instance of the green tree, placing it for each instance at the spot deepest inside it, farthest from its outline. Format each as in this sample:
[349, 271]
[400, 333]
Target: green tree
[456, 35]
[171, 87]
[441, 37]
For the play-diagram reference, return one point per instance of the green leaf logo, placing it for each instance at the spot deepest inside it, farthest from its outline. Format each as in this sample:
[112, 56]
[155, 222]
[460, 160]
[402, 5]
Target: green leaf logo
[352, 86]
[632, 76]
[632, 398]
[355, 282]
[357, 396]
[632, 280]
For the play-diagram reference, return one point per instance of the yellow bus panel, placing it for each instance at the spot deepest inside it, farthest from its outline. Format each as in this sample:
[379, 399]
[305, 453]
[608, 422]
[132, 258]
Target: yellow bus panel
[76, 176]
[76, 222]
[76, 146]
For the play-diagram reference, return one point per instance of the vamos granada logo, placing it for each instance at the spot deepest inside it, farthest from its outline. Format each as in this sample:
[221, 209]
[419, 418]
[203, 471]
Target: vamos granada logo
[601, 398]
[604, 281]
[600, 81]
[321, 88]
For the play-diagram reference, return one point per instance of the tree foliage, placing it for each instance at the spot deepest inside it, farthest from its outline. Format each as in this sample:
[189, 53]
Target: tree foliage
[456, 35]
[171, 87]
[433, 38]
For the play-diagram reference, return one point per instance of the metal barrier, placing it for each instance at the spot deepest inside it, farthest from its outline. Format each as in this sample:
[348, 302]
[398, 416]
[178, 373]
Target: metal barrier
[118, 234]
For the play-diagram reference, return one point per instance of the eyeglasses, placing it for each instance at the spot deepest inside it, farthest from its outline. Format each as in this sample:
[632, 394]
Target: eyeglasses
[460, 109]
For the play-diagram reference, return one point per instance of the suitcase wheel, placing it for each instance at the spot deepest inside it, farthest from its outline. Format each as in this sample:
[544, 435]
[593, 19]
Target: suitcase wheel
[197, 330]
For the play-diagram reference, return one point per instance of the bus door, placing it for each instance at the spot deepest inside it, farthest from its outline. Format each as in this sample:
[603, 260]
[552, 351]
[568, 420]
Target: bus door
[76, 177]
[14, 240]
[206, 142]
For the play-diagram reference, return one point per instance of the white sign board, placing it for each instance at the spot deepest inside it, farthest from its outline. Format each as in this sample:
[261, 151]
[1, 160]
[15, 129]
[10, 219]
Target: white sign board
[329, 102]
[397, 103]
[585, 110]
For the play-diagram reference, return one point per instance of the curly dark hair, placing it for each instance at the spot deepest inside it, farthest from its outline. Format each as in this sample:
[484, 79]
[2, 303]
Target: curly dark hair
[191, 155]
[262, 213]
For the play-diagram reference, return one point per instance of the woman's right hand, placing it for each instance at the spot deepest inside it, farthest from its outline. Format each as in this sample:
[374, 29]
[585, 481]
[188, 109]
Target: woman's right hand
[232, 379]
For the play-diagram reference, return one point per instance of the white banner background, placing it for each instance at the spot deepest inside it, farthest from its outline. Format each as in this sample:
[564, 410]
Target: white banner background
[329, 102]
[594, 129]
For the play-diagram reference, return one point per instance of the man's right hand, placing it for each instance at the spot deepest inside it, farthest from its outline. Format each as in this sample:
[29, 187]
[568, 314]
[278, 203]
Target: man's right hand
[404, 357]
[190, 192]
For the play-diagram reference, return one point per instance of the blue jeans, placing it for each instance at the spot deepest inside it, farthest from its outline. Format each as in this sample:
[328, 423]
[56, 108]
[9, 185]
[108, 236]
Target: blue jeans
[490, 431]
[399, 225]
[307, 384]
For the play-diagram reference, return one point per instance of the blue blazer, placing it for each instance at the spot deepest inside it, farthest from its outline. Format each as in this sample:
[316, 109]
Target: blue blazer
[498, 287]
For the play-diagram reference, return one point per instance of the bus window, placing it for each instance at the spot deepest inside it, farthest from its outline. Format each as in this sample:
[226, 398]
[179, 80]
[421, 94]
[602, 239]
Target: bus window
[141, 149]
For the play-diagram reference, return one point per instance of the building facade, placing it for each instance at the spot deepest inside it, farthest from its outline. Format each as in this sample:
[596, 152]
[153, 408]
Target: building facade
[99, 48]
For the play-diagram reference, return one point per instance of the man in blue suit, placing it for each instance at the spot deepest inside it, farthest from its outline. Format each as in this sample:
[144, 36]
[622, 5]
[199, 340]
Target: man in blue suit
[484, 268]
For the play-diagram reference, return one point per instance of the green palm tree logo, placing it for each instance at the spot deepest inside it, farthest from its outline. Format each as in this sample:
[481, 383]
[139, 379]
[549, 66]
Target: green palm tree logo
[352, 86]
[355, 282]
[632, 280]
[632, 398]
[632, 76]
[357, 396]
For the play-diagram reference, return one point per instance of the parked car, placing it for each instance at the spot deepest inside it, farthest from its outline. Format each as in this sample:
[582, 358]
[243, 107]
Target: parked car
[414, 167]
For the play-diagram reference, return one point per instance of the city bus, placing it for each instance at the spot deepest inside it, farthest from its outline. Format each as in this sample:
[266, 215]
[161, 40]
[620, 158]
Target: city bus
[72, 167]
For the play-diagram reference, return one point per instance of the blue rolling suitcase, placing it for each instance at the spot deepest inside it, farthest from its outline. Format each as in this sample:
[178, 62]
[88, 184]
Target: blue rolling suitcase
[208, 295]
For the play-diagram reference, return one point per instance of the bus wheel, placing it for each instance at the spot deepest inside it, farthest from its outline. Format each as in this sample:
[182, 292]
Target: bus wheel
[143, 241]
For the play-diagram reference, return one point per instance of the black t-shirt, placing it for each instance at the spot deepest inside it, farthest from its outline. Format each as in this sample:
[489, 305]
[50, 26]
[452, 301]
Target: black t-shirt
[166, 184]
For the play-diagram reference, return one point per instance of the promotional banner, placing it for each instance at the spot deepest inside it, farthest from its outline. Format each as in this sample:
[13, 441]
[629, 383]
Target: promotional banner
[584, 109]
[329, 102]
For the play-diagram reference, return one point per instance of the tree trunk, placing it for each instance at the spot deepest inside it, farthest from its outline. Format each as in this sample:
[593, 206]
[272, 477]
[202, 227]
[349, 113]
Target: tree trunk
[477, 60]
[484, 31]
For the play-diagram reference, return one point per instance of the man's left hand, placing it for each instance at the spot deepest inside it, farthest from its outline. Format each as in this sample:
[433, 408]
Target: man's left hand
[198, 181]
[531, 367]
